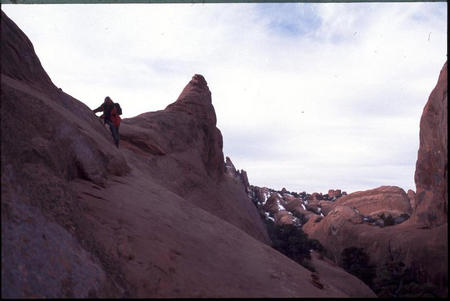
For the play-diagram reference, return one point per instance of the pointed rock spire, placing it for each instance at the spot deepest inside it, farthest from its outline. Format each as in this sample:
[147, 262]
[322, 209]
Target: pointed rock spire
[195, 99]
[431, 174]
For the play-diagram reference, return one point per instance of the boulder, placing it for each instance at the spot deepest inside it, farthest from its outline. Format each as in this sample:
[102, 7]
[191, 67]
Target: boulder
[316, 196]
[387, 200]
[291, 202]
[334, 193]
[284, 217]
[326, 206]
[273, 204]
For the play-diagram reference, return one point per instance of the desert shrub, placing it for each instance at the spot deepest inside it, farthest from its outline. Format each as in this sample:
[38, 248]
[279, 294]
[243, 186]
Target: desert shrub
[388, 220]
[396, 280]
[355, 261]
[295, 244]
[270, 227]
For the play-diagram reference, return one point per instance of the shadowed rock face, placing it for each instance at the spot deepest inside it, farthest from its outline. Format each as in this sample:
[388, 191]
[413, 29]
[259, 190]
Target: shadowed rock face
[156, 218]
[431, 175]
[30, 70]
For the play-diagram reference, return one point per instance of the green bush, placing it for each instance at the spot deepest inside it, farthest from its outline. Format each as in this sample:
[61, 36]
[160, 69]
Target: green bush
[295, 244]
[355, 261]
[396, 280]
[388, 220]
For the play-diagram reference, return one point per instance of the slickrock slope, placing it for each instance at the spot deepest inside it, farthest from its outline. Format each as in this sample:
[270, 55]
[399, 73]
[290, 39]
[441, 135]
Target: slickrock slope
[182, 151]
[158, 217]
[421, 242]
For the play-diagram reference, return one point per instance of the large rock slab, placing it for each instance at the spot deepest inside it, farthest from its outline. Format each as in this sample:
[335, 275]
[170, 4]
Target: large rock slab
[388, 200]
[431, 174]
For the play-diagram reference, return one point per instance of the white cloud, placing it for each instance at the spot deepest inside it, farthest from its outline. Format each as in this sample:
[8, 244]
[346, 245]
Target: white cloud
[307, 96]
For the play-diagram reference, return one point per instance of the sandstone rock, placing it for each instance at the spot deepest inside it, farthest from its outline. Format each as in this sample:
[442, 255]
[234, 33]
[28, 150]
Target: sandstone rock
[412, 199]
[291, 202]
[195, 100]
[316, 196]
[244, 180]
[284, 217]
[229, 167]
[431, 174]
[388, 200]
[261, 194]
[18, 64]
[314, 207]
[298, 211]
[421, 242]
[326, 206]
[273, 204]
[82, 219]
[240, 176]
[334, 193]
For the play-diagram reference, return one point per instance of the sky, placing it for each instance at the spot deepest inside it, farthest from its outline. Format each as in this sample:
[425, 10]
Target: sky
[308, 96]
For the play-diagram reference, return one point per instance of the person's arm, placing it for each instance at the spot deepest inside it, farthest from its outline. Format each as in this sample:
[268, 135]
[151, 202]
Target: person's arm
[99, 109]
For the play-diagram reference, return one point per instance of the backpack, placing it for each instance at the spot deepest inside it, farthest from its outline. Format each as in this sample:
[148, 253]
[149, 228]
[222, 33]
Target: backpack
[118, 109]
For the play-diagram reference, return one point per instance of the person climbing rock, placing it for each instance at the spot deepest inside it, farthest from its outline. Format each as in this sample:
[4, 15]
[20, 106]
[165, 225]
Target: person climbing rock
[111, 115]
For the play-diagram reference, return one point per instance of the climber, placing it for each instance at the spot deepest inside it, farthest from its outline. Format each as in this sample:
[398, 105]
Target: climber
[111, 112]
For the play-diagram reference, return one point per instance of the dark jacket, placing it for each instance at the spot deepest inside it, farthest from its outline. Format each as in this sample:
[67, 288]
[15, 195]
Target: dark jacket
[110, 112]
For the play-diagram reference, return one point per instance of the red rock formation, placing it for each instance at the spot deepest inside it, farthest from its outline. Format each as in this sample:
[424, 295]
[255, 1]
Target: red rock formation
[387, 200]
[316, 196]
[412, 199]
[273, 203]
[291, 202]
[155, 218]
[240, 176]
[326, 206]
[421, 242]
[244, 179]
[431, 175]
[195, 100]
[334, 193]
[283, 217]
[30, 71]
[229, 167]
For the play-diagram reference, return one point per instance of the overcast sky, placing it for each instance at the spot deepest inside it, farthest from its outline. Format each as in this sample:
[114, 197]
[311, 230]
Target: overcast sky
[309, 97]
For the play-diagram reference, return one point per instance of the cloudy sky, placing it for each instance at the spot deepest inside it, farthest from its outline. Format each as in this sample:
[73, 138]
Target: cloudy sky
[309, 97]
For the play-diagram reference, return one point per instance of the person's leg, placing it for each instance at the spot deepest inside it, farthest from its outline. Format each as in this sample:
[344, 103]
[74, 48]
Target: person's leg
[118, 135]
[114, 132]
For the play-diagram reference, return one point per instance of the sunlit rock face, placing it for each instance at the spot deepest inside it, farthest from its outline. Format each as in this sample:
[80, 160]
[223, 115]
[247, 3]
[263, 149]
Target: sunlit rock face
[387, 200]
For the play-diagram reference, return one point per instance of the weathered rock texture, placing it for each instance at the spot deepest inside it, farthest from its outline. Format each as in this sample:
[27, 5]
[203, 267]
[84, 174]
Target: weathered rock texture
[387, 200]
[158, 217]
[431, 175]
[421, 242]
